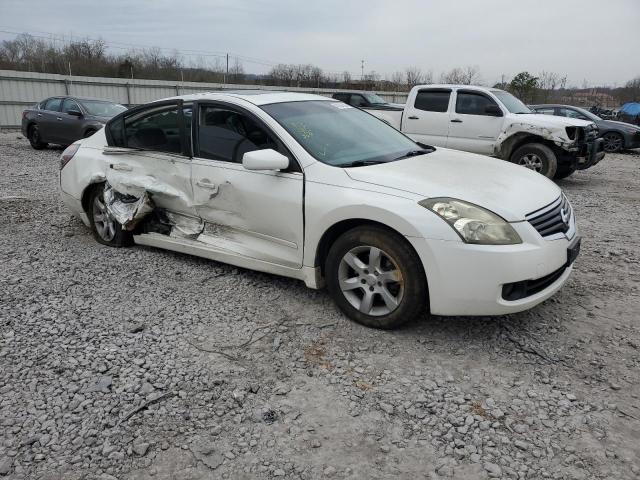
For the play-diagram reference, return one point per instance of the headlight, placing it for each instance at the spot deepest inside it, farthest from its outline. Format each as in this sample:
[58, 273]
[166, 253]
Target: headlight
[474, 224]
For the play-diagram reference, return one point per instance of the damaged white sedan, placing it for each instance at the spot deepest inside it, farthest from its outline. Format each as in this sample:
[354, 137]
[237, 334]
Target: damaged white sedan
[311, 188]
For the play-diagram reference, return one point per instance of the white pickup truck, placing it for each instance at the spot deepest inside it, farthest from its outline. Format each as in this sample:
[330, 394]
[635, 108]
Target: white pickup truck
[493, 122]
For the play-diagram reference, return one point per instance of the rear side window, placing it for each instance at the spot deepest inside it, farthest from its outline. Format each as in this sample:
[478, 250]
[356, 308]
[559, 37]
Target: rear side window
[357, 100]
[433, 100]
[53, 104]
[471, 103]
[567, 112]
[545, 111]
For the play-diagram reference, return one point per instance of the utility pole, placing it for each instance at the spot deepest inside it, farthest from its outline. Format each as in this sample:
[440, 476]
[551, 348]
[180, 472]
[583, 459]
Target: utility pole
[362, 69]
[227, 71]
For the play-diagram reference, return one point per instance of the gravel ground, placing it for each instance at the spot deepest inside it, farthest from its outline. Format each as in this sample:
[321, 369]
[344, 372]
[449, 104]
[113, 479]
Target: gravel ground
[144, 364]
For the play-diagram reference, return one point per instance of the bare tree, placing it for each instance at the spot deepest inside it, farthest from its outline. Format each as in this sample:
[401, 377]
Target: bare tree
[469, 75]
[413, 76]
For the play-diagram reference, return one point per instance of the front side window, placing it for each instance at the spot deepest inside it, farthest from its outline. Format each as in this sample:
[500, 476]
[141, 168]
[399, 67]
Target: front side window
[70, 105]
[357, 100]
[227, 135]
[471, 103]
[53, 104]
[433, 100]
[340, 135]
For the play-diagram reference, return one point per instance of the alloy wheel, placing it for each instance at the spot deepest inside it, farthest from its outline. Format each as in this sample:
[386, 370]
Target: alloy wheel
[531, 161]
[612, 142]
[103, 221]
[370, 280]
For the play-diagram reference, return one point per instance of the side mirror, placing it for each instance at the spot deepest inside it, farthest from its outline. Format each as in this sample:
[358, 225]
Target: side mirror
[74, 113]
[267, 159]
[493, 110]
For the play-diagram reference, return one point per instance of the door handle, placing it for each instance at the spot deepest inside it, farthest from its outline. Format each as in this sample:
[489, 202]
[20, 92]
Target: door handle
[413, 117]
[59, 118]
[456, 120]
[204, 183]
[122, 167]
[39, 114]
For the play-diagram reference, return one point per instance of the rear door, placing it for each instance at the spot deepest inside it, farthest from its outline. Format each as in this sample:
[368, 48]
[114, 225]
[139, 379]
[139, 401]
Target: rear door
[152, 154]
[472, 129]
[426, 118]
[47, 120]
[256, 214]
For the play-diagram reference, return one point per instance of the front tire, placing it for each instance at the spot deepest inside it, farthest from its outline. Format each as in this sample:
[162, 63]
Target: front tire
[35, 139]
[106, 230]
[613, 142]
[536, 157]
[376, 278]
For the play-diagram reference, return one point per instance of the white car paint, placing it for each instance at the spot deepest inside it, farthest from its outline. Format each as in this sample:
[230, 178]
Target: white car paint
[274, 221]
[474, 133]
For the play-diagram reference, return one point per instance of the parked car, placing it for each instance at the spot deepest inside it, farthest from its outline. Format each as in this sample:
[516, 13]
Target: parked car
[366, 100]
[311, 188]
[494, 122]
[63, 120]
[616, 135]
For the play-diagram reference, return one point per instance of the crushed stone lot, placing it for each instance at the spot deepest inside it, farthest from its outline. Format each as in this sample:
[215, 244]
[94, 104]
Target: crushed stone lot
[137, 363]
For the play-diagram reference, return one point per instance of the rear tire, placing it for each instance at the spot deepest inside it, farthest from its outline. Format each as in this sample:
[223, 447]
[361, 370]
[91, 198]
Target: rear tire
[537, 157]
[35, 139]
[106, 230]
[376, 278]
[613, 142]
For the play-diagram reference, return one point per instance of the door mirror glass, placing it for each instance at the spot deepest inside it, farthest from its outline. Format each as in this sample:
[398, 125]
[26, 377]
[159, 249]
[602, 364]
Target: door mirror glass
[74, 113]
[493, 110]
[267, 159]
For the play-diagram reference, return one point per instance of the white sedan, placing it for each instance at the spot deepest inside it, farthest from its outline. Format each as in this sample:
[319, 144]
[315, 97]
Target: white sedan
[311, 188]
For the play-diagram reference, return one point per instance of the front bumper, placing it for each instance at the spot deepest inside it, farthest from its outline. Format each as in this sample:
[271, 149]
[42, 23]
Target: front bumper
[467, 279]
[591, 154]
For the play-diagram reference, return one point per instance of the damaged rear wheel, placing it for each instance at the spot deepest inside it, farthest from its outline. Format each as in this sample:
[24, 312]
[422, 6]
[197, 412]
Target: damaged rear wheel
[106, 229]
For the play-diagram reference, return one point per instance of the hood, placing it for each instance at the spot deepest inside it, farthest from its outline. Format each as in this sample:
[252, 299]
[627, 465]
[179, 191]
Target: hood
[617, 125]
[540, 120]
[509, 190]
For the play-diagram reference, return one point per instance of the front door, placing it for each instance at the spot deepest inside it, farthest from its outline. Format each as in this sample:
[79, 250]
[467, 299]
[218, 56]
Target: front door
[48, 120]
[426, 120]
[68, 128]
[472, 128]
[257, 214]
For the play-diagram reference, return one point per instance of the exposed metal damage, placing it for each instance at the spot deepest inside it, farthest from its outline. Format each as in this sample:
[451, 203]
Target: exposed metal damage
[130, 209]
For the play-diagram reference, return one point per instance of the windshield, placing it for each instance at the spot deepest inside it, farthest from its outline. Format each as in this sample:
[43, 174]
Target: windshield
[99, 108]
[373, 98]
[340, 135]
[510, 102]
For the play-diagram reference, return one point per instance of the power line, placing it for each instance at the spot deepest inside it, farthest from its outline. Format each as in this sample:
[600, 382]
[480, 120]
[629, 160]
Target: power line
[51, 36]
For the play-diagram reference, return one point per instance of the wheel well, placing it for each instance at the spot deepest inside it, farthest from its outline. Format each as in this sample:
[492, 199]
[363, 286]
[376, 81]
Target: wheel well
[29, 126]
[517, 140]
[332, 234]
[86, 195]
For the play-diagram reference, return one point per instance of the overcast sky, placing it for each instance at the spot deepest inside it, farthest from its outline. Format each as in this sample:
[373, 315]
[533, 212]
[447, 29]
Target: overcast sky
[593, 40]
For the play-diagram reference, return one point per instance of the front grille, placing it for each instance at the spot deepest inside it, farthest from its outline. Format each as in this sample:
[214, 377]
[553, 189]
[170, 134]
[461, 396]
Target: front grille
[553, 219]
[526, 288]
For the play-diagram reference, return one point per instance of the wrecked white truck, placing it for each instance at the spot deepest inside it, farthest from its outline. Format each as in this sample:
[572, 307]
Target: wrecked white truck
[308, 187]
[493, 122]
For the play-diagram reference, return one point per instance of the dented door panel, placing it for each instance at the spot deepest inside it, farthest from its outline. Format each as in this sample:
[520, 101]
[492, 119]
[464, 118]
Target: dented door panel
[166, 178]
[255, 214]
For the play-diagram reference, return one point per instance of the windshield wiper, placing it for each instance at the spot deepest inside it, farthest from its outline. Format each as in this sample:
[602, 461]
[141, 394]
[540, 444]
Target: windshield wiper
[413, 153]
[363, 163]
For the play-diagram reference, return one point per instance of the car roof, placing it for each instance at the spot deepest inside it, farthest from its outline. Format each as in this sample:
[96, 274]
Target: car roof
[458, 86]
[76, 97]
[257, 97]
